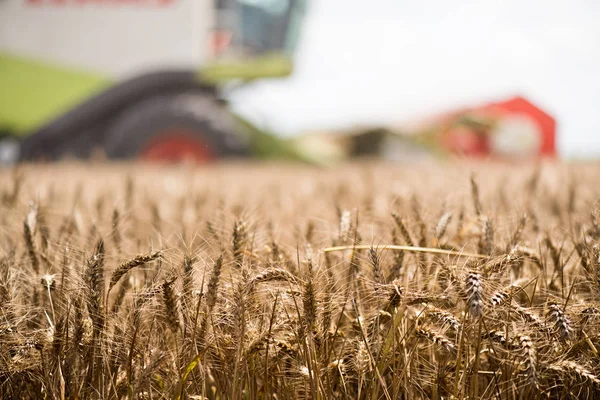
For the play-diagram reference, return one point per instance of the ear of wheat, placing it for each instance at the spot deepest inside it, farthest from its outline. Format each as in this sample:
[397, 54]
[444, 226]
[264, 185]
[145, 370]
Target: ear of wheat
[288, 282]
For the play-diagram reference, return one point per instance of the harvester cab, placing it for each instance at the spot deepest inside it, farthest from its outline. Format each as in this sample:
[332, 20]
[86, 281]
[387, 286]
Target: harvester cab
[253, 38]
[135, 78]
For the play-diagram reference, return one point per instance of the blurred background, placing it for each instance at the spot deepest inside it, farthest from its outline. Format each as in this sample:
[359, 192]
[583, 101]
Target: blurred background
[317, 80]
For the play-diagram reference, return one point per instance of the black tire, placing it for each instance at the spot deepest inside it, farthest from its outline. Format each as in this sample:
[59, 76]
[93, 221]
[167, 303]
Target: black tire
[80, 130]
[200, 115]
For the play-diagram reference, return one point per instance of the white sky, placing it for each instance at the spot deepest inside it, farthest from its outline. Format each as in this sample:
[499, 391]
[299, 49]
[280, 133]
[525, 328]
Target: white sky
[363, 61]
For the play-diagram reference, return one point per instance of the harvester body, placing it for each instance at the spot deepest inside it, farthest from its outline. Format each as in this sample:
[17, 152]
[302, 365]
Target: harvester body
[77, 75]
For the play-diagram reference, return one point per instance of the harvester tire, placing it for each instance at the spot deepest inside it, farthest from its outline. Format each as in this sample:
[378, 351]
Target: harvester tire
[175, 127]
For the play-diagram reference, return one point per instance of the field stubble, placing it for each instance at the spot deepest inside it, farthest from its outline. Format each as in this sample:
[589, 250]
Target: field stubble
[230, 282]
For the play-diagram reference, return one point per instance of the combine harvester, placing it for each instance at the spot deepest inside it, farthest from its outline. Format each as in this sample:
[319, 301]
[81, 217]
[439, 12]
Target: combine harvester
[137, 78]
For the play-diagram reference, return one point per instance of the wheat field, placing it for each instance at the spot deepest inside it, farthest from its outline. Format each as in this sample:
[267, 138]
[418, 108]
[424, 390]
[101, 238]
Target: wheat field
[368, 281]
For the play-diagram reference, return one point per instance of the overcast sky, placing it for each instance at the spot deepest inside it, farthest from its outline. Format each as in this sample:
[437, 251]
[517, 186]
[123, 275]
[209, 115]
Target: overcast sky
[363, 61]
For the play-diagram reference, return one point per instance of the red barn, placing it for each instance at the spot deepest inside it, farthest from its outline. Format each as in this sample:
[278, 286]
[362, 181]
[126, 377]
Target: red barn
[514, 128]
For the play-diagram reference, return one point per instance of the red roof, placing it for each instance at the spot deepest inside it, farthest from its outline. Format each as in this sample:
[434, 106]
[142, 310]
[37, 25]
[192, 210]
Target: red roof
[520, 105]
